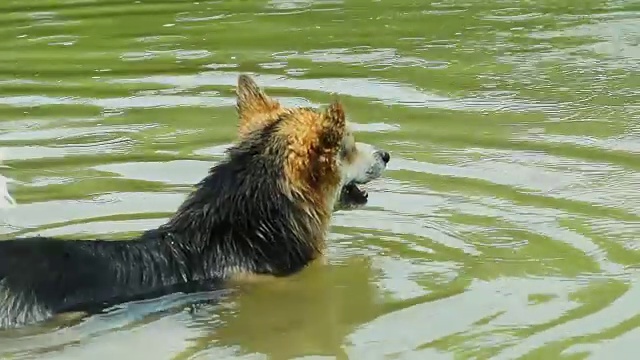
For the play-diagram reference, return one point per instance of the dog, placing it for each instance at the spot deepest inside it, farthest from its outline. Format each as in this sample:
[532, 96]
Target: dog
[264, 209]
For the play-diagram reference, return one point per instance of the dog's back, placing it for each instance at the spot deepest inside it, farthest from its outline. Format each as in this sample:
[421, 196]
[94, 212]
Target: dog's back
[24, 266]
[44, 276]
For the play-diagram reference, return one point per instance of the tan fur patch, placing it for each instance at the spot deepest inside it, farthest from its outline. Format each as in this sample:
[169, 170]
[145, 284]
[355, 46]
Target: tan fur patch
[312, 165]
[313, 141]
[349, 149]
[254, 107]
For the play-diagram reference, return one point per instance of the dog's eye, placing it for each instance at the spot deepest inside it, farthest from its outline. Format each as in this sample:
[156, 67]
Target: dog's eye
[343, 152]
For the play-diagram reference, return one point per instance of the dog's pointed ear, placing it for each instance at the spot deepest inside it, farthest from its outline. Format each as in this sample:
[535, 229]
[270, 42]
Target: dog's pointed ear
[253, 104]
[333, 125]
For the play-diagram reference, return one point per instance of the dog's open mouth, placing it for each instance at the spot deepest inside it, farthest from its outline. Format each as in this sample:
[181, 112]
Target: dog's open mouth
[352, 196]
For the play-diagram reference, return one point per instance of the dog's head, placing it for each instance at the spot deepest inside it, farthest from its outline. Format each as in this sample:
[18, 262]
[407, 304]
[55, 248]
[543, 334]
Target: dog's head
[322, 157]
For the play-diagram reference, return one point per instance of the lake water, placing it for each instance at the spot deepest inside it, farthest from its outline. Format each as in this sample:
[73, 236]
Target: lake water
[508, 223]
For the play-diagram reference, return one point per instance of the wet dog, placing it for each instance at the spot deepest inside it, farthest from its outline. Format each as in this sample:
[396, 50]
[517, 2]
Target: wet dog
[264, 209]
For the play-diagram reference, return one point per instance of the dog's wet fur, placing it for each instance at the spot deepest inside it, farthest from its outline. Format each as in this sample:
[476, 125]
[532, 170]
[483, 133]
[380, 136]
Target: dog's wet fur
[264, 209]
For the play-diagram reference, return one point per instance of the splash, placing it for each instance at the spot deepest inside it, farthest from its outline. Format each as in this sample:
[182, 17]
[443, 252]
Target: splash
[6, 201]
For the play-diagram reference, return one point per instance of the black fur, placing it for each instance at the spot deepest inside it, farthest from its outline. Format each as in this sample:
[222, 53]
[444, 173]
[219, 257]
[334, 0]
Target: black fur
[238, 219]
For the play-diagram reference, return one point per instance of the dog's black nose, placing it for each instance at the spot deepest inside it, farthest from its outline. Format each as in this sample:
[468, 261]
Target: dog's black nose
[385, 156]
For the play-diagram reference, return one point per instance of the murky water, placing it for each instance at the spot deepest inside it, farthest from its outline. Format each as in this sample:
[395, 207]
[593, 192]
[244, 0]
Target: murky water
[507, 227]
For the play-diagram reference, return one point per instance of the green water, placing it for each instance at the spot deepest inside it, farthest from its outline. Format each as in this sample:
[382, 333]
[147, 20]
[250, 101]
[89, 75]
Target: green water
[508, 223]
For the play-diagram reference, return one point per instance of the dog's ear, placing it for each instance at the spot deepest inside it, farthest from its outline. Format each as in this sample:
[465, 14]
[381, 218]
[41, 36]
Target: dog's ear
[333, 125]
[254, 107]
[313, 140]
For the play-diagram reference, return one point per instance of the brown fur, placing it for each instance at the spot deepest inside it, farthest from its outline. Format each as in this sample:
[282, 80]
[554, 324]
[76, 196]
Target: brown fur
[314, 140]
[255, 108]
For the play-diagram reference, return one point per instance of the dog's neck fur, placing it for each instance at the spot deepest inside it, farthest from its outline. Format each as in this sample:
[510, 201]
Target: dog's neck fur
[241, 222]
